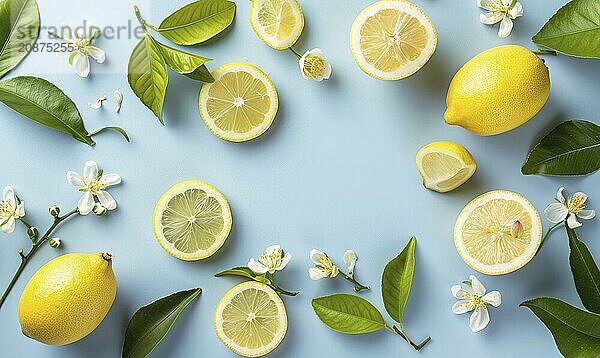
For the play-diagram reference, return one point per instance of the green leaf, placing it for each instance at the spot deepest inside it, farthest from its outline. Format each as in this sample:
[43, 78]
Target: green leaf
[19, 30]
[576, 332]
[186, 63]
[43, 102]
[201, 74]
[238, 271]
[150, 324]
[574, 30]
[147, 75]
[572, 148]
[396, 281]
[197, 21]
[585, 272]
[112, 128]
[348, 314]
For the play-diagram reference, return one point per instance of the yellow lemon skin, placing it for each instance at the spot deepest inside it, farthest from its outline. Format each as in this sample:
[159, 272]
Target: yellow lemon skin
[497, 90]
[67, 298]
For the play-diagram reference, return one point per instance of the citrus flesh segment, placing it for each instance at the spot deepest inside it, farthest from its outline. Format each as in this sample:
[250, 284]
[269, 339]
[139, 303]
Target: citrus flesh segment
[251, 319]
[498, 232]
[192, 220]
[279, 23]
[240, 104]
[445, 166]
[392, 39]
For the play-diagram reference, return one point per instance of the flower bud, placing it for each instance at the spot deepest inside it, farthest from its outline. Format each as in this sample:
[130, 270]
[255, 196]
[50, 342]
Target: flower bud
[54, 242]
[54, 211]
[517, 229]
[99, 209]
[33, 232]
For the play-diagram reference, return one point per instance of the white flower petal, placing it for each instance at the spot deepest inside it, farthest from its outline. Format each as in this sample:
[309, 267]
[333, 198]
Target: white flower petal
[506, 3]
[459, 292]
[86, 203]
[559, 195]
[506, 26]
[257, 267]
[90, 171]
[460, 307]
[110, 179]
[107, 200]
[478, 288]
[75, 179]
[350, 259]
[20, 210]
[587, 214]
[9, 227]
[98, 103]
[316, 256]
[488, 4]
[271, 250]
[284, 261]
[119, 98]
[516, 11]
[479, 319]
[583, 196]
[556, 212]
[97, 54]
[8, 195]
[315, 274]
[493, 298]
[572, 221]
[490, 18]
[81, 64]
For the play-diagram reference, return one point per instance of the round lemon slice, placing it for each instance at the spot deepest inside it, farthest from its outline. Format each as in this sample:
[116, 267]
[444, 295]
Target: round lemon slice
[240, 104]
[250, 319]
[444, 166]
[498, 232]
[392, 39]
[192, 220]
[279, 23]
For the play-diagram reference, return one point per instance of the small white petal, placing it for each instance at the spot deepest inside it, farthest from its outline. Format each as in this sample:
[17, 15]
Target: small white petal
[284, 261]
[90, 171]
[98, 103]
[119, 98]
[490, 18]
[516, 11]
[478, 288]
[556, 212]
[110, 179]
[316, 256]
[506, 26]
[81, 64]
[459, 292]
[493, 298]
[587, 214]
[8, 195]
[479, 319]
[460, 307]
[9, 227]
[97, 54]
[506, 3]
[315, 274]
[107, 200]
[583, 196]
[328, 71]
[20, 210]
[559, 195]
[350, 259]
[257, 267]
[86, 203]
[75, 179]
[572, 221]
[272, 249]
[488, 4]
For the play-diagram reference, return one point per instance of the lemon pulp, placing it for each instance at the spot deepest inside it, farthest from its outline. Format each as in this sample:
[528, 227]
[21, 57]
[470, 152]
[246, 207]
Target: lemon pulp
[445, 166]
[279, 23]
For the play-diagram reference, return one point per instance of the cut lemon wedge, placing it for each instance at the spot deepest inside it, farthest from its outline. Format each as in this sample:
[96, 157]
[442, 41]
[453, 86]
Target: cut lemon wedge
[192, 220]
[444, 166]
[250, 319]
[240, 104]
[498, 232]
[279, 23]
[392, 39]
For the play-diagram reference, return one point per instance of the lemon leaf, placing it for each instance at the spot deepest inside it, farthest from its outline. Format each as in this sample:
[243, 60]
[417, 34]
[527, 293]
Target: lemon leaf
[19, 31]
[396, 281]
[238, 271]
[585, 272]
[151, 323]
[348, 314]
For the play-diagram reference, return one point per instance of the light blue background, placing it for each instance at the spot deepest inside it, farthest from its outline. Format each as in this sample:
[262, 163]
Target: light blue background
[335, 171]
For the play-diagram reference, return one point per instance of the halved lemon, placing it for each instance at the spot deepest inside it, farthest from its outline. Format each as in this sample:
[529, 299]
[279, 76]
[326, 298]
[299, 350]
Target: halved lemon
[498, 232]
[392, 39]
[240, 104]
[279, 23]
[192, 220]
[444, 166]
[250, 319]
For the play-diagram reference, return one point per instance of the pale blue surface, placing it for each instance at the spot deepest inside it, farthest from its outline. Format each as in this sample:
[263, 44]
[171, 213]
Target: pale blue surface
[336, 171]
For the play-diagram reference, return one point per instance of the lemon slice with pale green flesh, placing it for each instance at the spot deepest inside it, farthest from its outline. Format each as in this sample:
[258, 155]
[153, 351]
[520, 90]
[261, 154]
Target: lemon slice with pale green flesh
[192, 220]
[392, 39]
[250, 319]
[240, 104]
[444, 166]
[279, 23]
[498, 232]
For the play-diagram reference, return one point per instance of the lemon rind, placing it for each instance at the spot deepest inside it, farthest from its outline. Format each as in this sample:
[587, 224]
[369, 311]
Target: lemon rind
[284, 44]
[428, 182]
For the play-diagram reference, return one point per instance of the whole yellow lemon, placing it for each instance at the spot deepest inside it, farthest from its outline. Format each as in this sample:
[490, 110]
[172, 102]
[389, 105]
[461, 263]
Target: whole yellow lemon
[497, 90]
[67, 298]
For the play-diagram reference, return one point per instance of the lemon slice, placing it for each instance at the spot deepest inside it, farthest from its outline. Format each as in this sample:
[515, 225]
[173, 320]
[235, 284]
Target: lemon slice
[240, 104]
[445, 166]
[250, 319]
[192, 220]
[392, 39]
[278, 23]
[498, 232]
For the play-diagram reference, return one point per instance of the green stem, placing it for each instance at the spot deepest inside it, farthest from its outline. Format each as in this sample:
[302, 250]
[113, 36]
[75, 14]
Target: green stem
[548, 235]
[357, 285]
[295, 53]
[276, 288]
[544, 52]
[27, 224]
[53, 34]
[402, 334]
[141, 20]
[25, 258]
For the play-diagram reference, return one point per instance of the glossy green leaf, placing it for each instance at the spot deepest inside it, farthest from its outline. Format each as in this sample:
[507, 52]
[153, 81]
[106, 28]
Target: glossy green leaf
[186, 63]
[147, 75]
[396, 281]
[572, 148]
[574, 30]
[585, 272]
[43, 102]
[150, 324]
[576, 332]
[19, 30]
[201, 74]
[116, 129]
[197, 21]
[238, 271]
[348, 314]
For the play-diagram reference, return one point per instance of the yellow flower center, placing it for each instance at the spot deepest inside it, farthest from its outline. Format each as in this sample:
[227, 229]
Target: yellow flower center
[272, 260]
[327, 267]
[314, 66]
[82, 46]
[576, 204]
[475, 301]
[6, 210]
